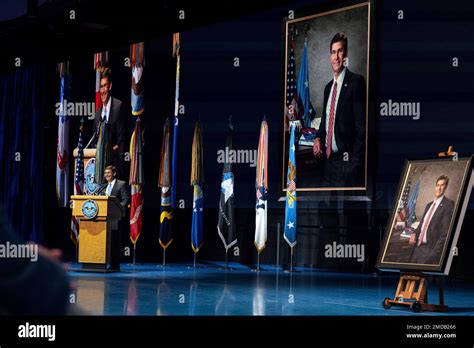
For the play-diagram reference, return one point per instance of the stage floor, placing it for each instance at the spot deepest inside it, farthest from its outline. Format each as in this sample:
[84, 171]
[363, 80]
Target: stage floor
[149, 290]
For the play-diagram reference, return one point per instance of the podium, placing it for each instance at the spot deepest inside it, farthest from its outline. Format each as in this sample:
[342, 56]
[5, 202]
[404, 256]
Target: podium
[99, 217]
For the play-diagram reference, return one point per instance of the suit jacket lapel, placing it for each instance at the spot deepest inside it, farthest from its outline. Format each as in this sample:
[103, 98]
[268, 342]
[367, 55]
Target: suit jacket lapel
[439, 210]
[110, 110]
[114, 189]
[344, 87]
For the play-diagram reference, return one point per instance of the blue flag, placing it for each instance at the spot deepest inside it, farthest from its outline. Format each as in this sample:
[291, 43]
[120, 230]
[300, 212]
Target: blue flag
[411, 218]
[197, 180]
[197, 225]
[290, 210]
[307, 111]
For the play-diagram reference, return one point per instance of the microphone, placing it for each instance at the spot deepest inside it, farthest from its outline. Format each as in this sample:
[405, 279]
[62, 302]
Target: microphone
[96, 133]
[100, 190]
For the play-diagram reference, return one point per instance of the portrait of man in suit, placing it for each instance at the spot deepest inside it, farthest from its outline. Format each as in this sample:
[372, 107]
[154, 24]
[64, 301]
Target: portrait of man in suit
[430, 235]
[112, 113]
[427, 213]
[340, 141]
[327, 78]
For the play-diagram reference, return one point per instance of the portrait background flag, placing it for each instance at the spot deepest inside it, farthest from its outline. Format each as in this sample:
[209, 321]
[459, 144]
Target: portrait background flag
[306, 110]
[78, 182]
[261, 185]
[402, 213]
[225, 223]
[136, 181]
[197, 180]
[292, 108]
[62, 152]
[101, 60]
[411, 216]
[290, 209]
[137, 59]
[166, 216]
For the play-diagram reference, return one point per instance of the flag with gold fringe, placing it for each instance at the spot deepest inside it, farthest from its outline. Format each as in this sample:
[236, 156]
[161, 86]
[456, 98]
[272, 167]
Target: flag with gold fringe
[225, 222]
[78, 182]
[197, 180]
[137, 59]
[103, 153]
[136, 181]
[261, 185]
[166, 216]
[62, 152]
[174, 164]
[290, 209]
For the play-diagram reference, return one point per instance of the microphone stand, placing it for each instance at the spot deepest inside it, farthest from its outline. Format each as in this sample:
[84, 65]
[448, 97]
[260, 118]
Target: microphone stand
[96, 134]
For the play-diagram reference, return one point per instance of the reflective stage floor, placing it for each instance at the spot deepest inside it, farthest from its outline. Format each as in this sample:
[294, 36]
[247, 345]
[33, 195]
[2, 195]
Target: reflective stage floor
[149, 290]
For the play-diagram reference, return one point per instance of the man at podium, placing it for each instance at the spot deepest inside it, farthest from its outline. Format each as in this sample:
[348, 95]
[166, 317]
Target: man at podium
[119, 189]
[115, 187]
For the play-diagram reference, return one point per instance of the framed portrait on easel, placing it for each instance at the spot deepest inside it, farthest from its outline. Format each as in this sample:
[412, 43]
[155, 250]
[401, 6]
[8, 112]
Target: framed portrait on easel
[426, 220]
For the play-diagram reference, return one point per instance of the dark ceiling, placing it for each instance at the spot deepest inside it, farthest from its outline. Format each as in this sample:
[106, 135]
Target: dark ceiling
[46, 30]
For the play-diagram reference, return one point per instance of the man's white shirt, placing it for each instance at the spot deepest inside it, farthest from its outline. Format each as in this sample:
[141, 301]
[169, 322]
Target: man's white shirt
[437, 202]
[110, 187]
[339, 81]
[106, 110]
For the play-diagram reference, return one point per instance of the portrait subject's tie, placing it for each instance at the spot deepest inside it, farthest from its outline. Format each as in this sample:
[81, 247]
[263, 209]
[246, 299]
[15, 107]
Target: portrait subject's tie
[331, 121]
[425, 226]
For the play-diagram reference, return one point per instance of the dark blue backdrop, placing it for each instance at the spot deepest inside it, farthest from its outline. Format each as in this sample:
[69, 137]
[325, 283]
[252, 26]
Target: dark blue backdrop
[413, 63]
[21, 150]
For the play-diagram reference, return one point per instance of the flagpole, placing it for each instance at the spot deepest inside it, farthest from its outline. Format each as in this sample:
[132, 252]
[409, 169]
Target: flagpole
[226, 267]
[278, 246]
[291, 262]
[194, 266]
[134, 247]
[164, 257]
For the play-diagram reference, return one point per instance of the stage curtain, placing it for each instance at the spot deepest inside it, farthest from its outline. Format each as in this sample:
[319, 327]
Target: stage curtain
[21, 150]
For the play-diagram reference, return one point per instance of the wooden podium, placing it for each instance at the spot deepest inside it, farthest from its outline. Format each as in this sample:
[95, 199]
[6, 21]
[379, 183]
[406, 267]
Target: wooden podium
[99, 217]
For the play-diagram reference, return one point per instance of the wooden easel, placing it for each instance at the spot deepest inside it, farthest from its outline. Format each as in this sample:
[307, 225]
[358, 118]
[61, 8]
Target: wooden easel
[412, 292]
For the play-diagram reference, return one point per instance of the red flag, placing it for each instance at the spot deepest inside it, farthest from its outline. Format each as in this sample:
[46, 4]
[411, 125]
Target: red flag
[136, 181]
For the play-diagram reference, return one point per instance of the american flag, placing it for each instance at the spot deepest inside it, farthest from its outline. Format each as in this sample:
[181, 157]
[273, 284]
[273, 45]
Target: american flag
[292, 186]
[291, 92]
[403, 204]
[78, 183]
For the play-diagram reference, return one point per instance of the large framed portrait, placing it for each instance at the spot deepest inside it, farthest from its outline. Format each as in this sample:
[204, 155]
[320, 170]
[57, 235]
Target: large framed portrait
[426, 220]
[327, 78]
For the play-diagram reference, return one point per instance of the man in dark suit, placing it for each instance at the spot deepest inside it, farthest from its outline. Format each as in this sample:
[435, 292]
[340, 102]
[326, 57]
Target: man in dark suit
[119, 189]
[112, 113]
[429, 237]
[340, 141]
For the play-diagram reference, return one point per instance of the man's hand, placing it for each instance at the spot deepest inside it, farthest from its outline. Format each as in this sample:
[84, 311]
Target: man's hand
[412, 240]
[317, 148]
[53, 255]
